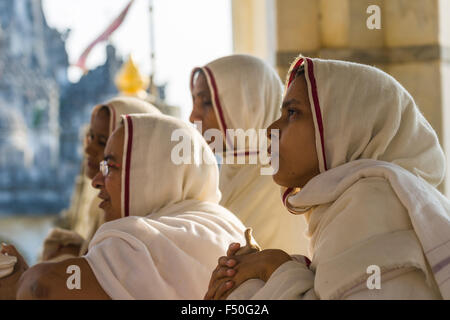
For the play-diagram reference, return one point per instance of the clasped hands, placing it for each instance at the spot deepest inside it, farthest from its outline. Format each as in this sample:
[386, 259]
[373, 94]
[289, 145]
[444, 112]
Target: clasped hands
[232, 270]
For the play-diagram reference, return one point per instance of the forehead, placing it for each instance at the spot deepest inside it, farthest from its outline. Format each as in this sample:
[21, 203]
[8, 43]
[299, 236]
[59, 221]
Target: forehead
[114, 146]
[298, 89]
[100, 121]
[200, 83]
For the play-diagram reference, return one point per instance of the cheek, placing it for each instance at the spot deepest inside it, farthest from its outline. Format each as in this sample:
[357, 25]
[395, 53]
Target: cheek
[297, 148]
[209, 114]
[113, 186]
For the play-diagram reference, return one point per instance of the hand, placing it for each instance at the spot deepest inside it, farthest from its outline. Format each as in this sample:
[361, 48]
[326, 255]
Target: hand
[8, 285]
[233, 270]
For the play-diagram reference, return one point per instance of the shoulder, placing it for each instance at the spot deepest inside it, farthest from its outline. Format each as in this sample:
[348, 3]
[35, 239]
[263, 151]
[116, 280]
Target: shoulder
[372, 203]
[367, 225]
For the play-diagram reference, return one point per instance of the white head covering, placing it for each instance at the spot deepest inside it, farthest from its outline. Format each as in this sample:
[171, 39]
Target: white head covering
[167, 245]
[119, 106]
[91, 216]
[367, 126]
[246, 94]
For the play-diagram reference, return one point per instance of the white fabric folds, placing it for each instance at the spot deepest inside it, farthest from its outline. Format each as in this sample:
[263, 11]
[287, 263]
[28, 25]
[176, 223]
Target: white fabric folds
[173, 230]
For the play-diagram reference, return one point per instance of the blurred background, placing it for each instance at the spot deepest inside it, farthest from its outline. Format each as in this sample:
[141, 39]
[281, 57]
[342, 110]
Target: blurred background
[59, 58]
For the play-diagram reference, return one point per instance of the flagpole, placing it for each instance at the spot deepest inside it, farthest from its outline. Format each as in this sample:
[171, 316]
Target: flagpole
[152, 46]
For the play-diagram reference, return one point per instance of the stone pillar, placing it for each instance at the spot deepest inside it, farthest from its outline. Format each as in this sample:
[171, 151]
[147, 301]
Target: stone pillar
[254, 28]
[416, 59]
[298, 30]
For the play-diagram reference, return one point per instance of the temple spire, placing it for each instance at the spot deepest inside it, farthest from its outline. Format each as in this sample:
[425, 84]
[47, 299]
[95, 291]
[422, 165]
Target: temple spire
[130, 81]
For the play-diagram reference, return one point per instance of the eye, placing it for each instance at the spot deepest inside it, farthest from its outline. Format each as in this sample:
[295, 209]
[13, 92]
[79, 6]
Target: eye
[207, 104]
[291, 112]
[102, 143]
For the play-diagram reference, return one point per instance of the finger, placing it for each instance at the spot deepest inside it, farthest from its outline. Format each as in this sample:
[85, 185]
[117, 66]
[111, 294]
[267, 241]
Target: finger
[215, 285]
[222, 262]
[231, 263]
[232, 248]
[223, 289]
[220, 273]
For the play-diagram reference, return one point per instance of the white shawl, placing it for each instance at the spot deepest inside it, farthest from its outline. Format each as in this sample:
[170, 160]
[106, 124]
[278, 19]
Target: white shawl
[173, 230]
[246, 94]
[375, 201]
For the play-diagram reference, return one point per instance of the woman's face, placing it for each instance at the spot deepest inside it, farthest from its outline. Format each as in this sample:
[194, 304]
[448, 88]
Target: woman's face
[110, 186]
[202, 109]
[96, 141]
[297, 148]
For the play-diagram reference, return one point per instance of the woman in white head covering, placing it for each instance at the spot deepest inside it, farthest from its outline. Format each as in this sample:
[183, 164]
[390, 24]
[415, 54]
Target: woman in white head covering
[366, 183]
[164, 229]
[84, 214]
[244, 92]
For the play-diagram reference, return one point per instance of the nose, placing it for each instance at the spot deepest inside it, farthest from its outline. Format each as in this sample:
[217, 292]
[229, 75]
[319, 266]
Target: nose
[99, 181]
[273, 126]
[195, 114]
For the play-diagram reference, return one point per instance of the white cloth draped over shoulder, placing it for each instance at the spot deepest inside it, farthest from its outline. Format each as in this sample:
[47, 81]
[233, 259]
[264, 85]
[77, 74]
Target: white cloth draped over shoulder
[84, 214]
[172, 229]
[375, 201]
[246, 94]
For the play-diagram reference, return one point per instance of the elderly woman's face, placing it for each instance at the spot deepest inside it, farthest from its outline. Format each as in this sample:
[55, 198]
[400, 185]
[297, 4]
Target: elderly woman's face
[202, 109]
[96, 141]
[110, 186]
[297, 148]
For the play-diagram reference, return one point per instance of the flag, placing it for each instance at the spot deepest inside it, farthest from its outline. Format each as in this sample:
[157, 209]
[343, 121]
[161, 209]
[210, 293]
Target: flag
[81, 63]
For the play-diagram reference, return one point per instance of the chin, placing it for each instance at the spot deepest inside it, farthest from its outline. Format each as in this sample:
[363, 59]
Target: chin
[279, 181]
[286, 182]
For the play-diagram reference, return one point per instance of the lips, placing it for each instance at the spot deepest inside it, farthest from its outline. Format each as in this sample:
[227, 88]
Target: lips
[102, 195]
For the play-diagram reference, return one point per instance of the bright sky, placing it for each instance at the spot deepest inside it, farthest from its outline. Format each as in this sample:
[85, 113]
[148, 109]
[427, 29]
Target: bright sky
[187, 34]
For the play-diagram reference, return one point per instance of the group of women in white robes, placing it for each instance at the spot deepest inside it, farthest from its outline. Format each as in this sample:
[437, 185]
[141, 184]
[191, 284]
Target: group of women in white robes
[356, 190]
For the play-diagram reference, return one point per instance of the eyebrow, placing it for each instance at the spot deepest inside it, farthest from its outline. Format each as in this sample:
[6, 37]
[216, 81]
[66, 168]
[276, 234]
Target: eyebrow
[202, 93]
[290, 103]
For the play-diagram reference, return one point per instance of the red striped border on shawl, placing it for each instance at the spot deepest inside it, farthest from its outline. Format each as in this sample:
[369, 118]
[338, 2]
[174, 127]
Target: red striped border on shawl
[312, 80]
[294, 71]
[127, 166]
[285, 194]
[217, 100]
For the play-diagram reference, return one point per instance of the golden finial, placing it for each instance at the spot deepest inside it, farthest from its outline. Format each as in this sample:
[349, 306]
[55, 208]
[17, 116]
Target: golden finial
[129, 80]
